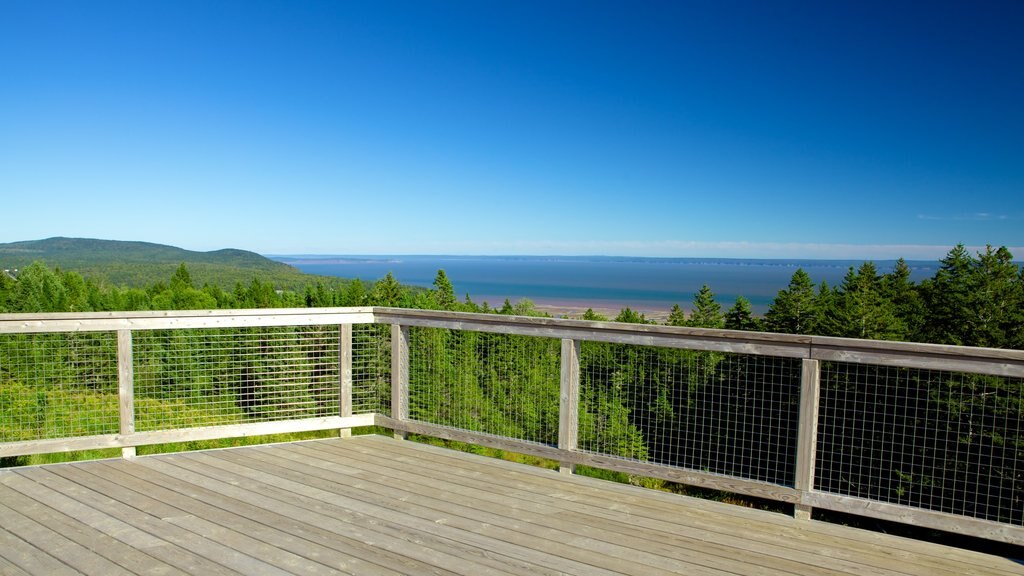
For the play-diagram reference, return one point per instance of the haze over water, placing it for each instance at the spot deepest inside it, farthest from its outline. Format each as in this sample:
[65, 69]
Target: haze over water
[645, 284]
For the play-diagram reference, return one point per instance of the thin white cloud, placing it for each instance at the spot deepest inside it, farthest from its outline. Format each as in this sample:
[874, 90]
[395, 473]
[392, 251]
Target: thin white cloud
[973, 217]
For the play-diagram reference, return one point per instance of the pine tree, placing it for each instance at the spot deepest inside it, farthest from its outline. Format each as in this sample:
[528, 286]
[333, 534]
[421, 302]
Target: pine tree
[677, 317]
[355, 294]
[741, 316]
[792, 311]
[993, 315]
[947, 297]
[898, 288]
[443, 294]
[863, 311]
[631, 317]
[706, 312]
[386, 292]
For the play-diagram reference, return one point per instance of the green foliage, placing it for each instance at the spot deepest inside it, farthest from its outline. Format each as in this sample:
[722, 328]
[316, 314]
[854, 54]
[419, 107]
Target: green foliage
[792, 311]
[677, 316]
[862, 310]
[741, 316]
[706, 312]
[629, 316]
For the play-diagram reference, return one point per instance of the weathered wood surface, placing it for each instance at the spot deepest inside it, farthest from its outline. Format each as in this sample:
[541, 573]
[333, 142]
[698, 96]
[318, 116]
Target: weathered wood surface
[174, 319]
[99, 442]
[373, 505]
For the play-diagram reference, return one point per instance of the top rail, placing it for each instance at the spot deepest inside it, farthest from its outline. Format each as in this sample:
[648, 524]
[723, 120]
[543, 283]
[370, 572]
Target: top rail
[171, 319]
[988, 361]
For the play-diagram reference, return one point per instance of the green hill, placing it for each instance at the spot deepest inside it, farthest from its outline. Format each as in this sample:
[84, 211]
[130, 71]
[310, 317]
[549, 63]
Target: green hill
[141, 264]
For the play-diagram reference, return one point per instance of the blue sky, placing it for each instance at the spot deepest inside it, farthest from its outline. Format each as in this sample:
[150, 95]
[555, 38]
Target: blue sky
[712, 128]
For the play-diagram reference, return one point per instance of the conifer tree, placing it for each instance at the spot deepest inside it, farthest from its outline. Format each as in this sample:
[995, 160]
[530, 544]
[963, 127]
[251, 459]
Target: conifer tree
[898, 288]
[863, 311]
[792, 311]
[677, 317]
[443, 294]
[741, 316]
[386, 292]
[993, 315]
[947, 297]
[706, 312]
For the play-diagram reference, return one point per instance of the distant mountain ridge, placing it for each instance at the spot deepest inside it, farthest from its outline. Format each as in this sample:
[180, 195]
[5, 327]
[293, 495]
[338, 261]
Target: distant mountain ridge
[139, 264]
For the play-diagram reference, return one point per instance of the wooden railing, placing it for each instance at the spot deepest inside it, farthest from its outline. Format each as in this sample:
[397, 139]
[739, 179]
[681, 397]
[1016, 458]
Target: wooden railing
[838, 391]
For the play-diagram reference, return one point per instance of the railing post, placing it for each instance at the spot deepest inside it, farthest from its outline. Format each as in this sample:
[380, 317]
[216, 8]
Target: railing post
[126, 388]
[807, 433]
[569, 401]
[345, 375]
[400, 376]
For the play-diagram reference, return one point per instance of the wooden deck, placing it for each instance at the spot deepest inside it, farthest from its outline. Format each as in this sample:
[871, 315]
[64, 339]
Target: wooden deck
[374, 505]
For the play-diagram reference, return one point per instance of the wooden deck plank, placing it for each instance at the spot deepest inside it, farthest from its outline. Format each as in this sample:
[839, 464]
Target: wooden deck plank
[102, 521]
[682, 548]
[520, 532]
[298, 535]
[553, 522]
[166, 504]
[374, 505]
[857, 561]
[28, 558]
[77, 557]
[153, 525]
[465, 547]
[641, 504]
[131, 559]
[585, 514]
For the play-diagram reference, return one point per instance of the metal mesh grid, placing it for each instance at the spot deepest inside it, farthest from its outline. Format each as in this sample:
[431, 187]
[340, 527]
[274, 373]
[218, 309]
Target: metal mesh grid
[58, 385]
[371, 369]
[492, 383]
[938, 440]
[189, 378]
[724, 413]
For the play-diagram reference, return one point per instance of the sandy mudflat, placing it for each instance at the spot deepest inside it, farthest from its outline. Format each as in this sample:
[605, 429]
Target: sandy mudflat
[576, 309]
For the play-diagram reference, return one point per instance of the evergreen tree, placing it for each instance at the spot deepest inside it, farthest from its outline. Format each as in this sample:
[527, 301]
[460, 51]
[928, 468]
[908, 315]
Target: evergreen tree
[826, 311]
[386, 292]
[629, 316]
[706, 312]
[741, 316]
[355, 294]
[947, 297]
[591, 315]
[677, 317]
[863, 311]
[792, 311]
[993, 315]
[898, 288]
[443, 294]
[182, 278]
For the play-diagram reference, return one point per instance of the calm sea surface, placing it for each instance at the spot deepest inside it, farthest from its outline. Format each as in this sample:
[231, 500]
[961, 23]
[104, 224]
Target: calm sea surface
[641, 283]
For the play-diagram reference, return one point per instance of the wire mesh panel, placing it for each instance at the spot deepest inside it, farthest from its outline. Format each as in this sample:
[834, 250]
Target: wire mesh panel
[729, 414]
[371, 369]
[938, 440]
[189, 378]
[497, 384]
[58, 385]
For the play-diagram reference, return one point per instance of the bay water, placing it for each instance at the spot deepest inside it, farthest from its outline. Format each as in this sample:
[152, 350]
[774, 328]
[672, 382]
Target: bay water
[606, 283]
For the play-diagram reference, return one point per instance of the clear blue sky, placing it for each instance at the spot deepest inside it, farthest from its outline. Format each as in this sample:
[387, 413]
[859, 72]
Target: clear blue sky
[714, 128]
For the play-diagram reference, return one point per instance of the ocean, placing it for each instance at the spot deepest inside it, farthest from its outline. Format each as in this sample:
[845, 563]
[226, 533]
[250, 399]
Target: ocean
[650, 285]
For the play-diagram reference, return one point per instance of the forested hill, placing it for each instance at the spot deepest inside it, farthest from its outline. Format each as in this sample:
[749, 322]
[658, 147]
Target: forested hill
[141, 264]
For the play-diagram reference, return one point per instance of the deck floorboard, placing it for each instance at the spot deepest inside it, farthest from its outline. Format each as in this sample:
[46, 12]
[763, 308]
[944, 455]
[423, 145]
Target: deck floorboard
[379, 506]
